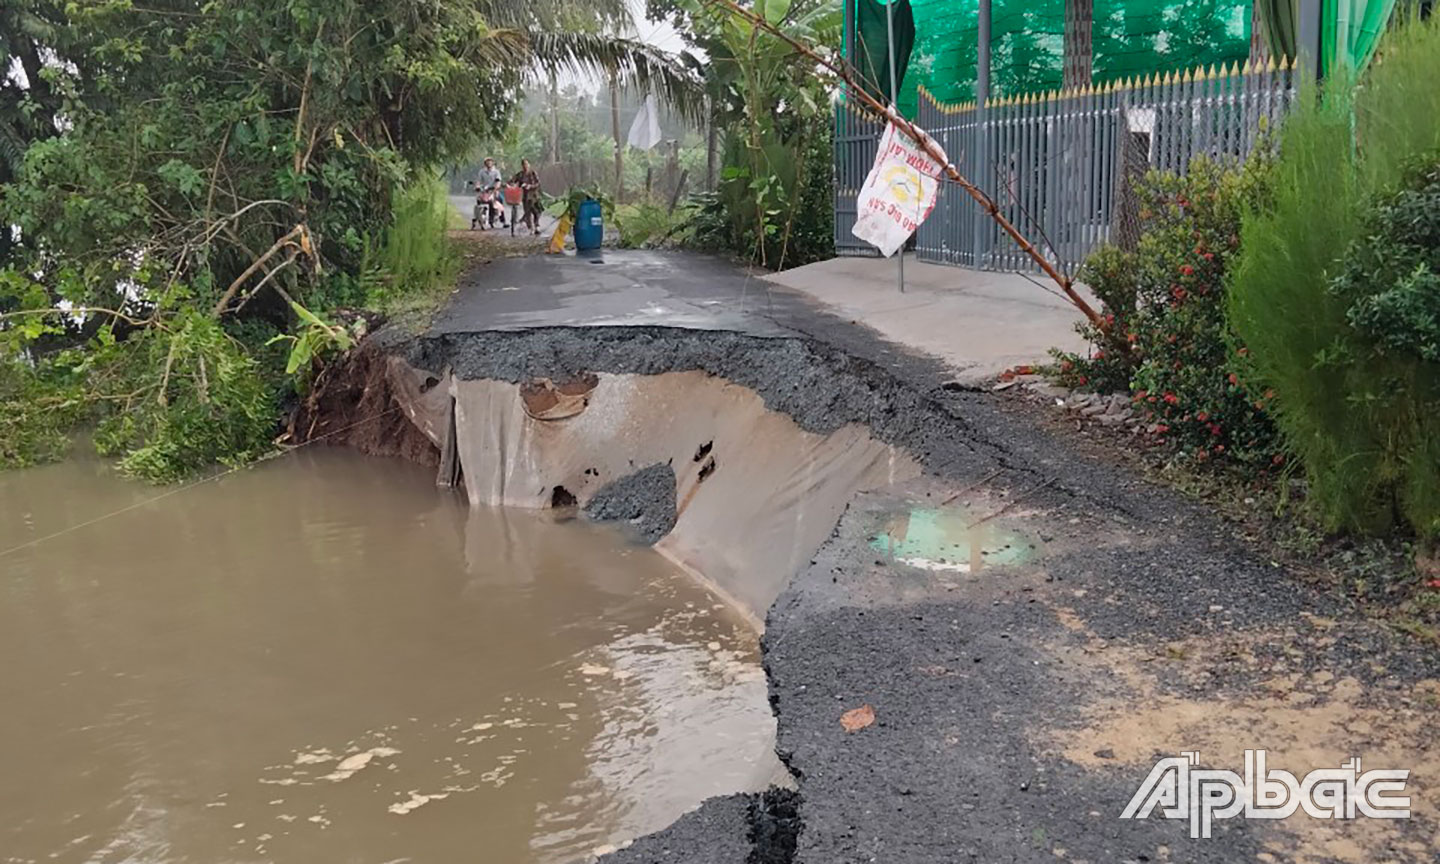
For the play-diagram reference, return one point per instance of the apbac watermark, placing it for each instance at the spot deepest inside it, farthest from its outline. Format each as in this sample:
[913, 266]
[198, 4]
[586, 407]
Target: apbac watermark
[1182, 790]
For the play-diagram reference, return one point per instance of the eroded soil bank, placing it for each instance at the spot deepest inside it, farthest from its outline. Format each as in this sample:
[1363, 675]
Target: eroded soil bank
[1026, 668]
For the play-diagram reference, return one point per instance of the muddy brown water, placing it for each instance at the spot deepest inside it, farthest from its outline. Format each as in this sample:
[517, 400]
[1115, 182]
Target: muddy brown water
[326, 659]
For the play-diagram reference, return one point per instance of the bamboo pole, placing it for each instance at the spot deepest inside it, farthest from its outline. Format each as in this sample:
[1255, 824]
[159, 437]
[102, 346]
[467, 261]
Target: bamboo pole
[840, 69]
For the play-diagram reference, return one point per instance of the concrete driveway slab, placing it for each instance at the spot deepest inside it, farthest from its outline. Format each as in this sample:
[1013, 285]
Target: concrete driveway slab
[980, 323]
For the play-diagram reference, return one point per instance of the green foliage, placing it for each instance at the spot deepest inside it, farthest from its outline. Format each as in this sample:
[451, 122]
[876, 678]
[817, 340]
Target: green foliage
[568, 205]
[773, 200]
[39, 404]
[1113, 277]
[1390, 283]
[709, 226]
[1166, 336]
[32, 89]
[646, 222]
[181, 400]
[315, 339]
[1334, 297]
[1378, 465]
[416, 254]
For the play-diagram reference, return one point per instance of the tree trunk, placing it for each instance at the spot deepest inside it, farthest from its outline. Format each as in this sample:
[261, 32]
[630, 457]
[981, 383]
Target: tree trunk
[710, 147]
[1079, 19]
[619, 145]
[554, 119]
[1259, 45]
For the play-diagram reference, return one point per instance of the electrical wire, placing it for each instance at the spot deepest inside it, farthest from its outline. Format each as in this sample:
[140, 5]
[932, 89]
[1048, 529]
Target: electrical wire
[191, 485]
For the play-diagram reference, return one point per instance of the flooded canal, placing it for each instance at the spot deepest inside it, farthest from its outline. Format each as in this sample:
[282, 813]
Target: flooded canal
[326, 659]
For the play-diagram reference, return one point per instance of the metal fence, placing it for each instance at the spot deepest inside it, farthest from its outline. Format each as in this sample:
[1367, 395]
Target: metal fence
[857, 137]
[1061, 165]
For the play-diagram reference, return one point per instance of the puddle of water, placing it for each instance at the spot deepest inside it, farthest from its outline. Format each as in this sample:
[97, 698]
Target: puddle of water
[326, 659]
[946, 539]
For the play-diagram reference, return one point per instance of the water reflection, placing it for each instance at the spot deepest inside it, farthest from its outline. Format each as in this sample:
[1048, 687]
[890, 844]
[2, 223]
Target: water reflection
[950, 539]
[327, 659]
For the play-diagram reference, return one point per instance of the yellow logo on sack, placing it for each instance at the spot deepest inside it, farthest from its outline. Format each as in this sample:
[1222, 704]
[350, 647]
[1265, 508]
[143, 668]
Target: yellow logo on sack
[903, 183]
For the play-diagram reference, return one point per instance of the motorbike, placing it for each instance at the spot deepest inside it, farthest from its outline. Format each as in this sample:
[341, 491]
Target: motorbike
[489, 212]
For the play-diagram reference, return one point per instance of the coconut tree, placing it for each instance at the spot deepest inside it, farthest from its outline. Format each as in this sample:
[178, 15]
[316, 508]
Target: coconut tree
[593, 37]
[597, 38]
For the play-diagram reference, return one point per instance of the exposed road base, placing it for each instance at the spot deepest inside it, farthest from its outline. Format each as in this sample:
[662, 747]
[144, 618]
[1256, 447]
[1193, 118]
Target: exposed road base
[1032, 629]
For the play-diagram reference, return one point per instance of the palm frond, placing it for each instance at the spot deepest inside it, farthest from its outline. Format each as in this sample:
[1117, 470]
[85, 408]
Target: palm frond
[500, 48]
[545, 16]
[820, 25]
[635, 64]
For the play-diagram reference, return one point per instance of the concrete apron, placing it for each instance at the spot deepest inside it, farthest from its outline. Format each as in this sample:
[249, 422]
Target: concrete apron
[755, 494]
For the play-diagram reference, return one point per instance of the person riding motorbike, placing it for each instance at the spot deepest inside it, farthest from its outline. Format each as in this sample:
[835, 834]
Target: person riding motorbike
[489, 212]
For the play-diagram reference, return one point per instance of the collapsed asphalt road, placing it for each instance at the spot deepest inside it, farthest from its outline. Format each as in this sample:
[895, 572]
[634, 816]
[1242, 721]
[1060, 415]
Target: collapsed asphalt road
[1056, 628]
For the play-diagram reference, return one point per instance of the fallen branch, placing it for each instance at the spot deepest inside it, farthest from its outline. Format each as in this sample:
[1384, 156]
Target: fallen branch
[165, 376]
[840, 69]
[270, 274]
[80, 310]
[296, 233]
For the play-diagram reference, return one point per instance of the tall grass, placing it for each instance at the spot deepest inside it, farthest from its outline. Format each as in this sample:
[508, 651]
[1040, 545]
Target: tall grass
[1360, 421]
[416, 253]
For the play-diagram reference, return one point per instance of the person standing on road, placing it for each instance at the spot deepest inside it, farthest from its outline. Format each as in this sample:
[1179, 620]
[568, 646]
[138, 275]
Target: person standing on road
[529, 183]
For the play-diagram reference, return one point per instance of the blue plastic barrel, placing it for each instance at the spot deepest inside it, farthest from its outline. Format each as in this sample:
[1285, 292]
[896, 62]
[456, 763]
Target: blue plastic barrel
[589, 226]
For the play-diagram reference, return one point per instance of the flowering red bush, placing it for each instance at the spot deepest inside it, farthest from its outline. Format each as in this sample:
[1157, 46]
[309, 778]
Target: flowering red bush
[1168, 340]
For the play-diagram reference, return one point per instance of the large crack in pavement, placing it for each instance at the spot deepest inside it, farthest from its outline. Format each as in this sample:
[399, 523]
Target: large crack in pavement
[1019, 703]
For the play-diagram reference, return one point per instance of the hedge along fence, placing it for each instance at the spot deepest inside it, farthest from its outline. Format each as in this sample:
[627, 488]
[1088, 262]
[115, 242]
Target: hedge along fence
[1334, 292]
[1063, 164]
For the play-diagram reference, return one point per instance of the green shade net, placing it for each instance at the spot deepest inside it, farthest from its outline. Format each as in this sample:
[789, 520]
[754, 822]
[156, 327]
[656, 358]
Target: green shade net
[1349, 32]
[1139, 38]
[873, 53]
[1027, 43]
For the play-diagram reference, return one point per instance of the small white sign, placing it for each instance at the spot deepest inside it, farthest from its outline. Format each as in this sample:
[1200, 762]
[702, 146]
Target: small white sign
[898, 194]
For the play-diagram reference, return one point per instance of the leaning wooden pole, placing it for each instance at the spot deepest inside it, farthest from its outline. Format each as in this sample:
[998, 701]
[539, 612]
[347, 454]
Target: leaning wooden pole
[841, 70]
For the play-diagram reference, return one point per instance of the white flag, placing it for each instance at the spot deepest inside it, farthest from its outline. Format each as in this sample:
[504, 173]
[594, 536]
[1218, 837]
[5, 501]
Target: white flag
[645, 130]
[898, 194]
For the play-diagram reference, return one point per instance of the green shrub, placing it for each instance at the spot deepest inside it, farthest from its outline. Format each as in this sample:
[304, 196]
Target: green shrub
[646, 222]
[178, 401]
[777, 212]
[39, 403]
[1112, 275]
[1166, 336]
[1344, 345]
[1390, 283]
[1387, 360]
